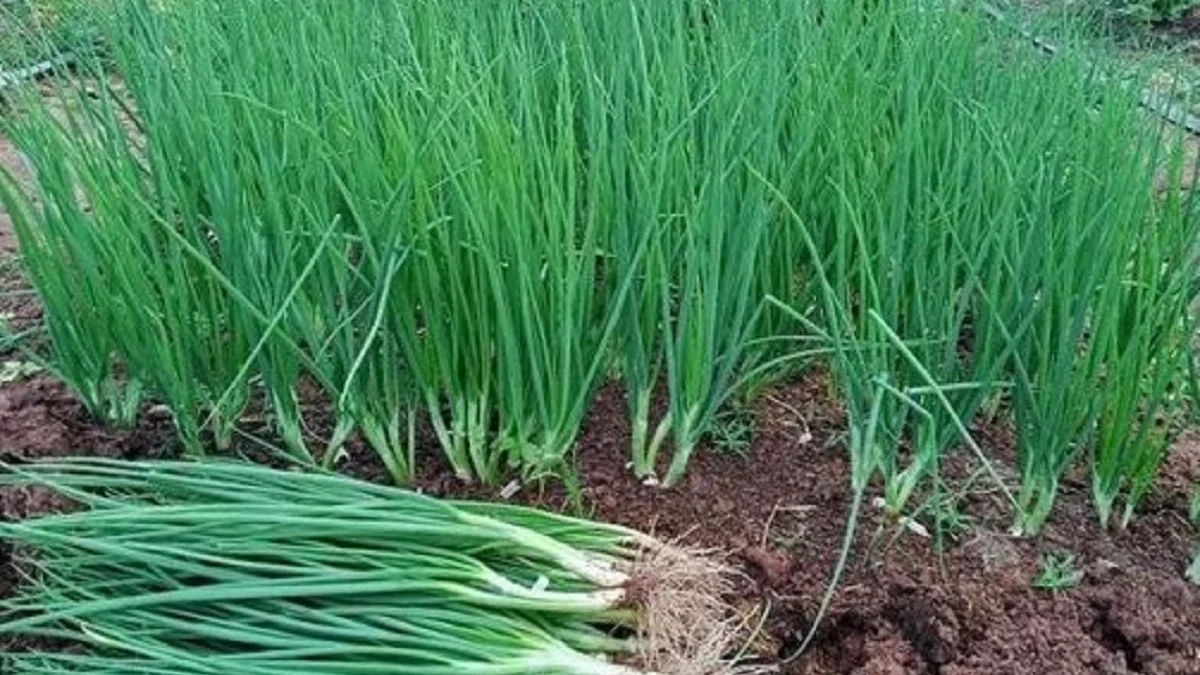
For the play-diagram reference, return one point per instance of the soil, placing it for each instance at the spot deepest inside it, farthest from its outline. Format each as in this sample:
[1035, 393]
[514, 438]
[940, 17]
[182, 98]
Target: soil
[905, 605]
[1184, 28]
[779, 511]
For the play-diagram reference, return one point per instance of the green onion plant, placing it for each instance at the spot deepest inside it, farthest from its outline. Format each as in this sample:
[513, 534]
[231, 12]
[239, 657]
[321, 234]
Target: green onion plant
[474, 212]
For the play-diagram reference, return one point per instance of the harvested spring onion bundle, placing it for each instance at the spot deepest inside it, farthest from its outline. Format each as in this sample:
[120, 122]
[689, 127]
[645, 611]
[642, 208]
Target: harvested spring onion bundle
[204, 567]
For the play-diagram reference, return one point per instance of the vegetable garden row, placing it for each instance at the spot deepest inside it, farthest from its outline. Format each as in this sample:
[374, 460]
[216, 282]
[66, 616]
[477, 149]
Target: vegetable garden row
[472, 214]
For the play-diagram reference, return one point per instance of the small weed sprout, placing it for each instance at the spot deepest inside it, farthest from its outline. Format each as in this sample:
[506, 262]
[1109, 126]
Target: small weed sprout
[733, 431]
[948, 519]
[17, 370]
[1058, 573]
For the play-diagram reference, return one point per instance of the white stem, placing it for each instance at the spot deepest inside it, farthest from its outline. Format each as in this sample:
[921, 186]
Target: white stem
[566, 660]
[591, 602]
[598, 572]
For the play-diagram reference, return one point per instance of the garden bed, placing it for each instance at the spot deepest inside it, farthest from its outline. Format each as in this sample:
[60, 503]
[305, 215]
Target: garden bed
[779, 509]
[974, 233]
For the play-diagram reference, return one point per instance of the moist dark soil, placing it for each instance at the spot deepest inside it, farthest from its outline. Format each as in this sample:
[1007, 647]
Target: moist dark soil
[1184, 28]
[915, 598]
[779, 509]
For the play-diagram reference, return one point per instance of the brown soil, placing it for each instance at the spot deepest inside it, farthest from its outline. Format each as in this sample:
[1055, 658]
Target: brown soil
[779, 509]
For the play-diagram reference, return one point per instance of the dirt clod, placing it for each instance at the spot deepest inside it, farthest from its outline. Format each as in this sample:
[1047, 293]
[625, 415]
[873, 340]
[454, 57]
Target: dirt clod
[773, 566]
